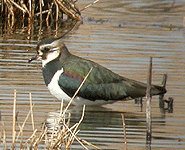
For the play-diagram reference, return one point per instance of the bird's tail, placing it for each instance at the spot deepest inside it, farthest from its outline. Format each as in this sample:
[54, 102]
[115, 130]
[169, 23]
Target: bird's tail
[157, 90]
[136, 89]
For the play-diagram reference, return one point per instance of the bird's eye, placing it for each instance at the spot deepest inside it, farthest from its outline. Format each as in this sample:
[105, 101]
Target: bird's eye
[46, 49]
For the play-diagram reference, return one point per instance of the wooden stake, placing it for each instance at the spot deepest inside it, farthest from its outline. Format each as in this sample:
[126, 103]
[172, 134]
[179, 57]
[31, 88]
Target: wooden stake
[148, 107]
[161, 97]
[124, 130]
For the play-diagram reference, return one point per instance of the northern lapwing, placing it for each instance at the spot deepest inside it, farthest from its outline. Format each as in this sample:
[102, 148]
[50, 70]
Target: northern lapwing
[63, 72]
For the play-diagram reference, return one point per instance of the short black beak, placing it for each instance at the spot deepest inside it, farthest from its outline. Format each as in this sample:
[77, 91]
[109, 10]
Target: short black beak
[32, 58]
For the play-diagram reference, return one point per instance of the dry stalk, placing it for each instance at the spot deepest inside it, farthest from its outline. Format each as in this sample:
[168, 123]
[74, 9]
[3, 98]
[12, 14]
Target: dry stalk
[71, 139]
[43, 12]
[57, 10]
[60, 139]
[3, 132]
[25, 8]
[69, 119]
[75, 137]
[41, 4]
[89, 144]
[30, 6]
[67, 11]
[14, 120]
[19, 7]
[38, 140]
[61, 107]
[89, 5]
[31, 110]
[76, 92]
[10, 8]
[29, 139]
[49, 13]
[54, 127]
[77, 124]
[22, 127]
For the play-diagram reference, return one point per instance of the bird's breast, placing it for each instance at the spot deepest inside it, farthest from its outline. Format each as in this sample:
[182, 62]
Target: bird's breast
[55, 89]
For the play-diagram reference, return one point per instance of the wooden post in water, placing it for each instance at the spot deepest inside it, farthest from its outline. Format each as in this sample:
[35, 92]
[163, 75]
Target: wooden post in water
[148, 108]
[161, 97]
[124, 130]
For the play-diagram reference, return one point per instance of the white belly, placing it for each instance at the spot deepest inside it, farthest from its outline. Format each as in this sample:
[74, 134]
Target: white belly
[55, 89]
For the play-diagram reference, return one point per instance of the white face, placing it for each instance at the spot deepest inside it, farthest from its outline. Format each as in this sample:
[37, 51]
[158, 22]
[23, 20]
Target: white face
[48, 52]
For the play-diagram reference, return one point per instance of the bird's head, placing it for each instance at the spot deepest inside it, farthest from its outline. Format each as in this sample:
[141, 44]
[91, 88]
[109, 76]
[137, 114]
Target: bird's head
[48, 50]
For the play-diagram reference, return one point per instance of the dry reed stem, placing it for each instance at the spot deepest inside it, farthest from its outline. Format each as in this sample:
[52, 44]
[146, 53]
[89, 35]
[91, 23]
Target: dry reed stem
[89, 144]
[38, 140]
[10, 8]
[69, 119]
[40, 2]
[29, 139]
[43, 12]
[124, 130]
[31, 109]
[89, 5]
[75, 137]
[25, 8]
[49, 12]
[30, 6]
[55, 125]
[68, 12]
[61, 107]
[69, 134]
[23, 124]
[16, 5]
[71, 139]
[3, 132]
[77, 124]
[57, 10]
[76, 92]
[14, 120]
[65, 134]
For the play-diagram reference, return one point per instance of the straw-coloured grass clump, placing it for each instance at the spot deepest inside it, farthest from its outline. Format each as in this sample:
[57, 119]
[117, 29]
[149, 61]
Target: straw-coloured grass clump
[56, 132]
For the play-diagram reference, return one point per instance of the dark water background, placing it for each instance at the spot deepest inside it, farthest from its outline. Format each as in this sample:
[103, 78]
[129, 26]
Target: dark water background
[120, 35]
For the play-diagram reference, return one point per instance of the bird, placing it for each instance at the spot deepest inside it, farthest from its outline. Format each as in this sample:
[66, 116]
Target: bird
[63, 72]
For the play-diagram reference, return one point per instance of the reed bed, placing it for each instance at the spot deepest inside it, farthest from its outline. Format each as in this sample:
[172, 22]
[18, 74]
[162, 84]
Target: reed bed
[38, 14]
[30, 10]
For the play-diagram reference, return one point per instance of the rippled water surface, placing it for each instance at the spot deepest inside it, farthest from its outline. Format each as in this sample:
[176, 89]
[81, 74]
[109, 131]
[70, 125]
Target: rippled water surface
[120, 35]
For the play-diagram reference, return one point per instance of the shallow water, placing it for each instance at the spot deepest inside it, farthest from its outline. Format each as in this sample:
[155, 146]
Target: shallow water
[120, 35]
